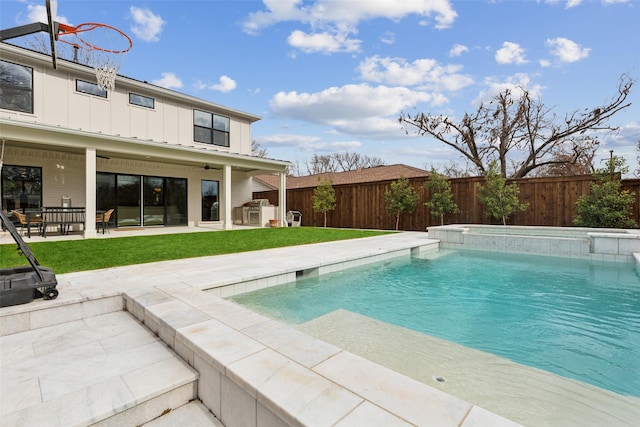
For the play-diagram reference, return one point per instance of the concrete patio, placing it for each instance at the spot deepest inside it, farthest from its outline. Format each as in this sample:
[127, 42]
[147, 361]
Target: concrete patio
[145, 344]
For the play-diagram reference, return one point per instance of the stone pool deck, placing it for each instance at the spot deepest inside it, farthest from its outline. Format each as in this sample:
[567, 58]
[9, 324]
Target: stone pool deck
[144, 345]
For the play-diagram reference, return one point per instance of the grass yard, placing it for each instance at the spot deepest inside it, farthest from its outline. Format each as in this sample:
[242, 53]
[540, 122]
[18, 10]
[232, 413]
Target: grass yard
[91, 254]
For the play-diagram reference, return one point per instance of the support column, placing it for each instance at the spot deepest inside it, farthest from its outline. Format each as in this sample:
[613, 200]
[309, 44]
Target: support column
[90, 193]
[282, 200]
[227, 218]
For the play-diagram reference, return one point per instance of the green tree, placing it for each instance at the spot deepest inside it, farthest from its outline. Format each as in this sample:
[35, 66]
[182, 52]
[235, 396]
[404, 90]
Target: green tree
[500, 200]
[401, 197]
[441, 201]
[607, 204]
[324, 198]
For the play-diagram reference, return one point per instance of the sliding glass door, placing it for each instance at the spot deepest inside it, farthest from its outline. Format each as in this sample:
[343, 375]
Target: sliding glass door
[142, 200]
[128, 200]
[153, 192]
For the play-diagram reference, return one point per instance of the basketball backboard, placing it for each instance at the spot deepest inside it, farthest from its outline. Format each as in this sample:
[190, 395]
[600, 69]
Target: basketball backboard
[103, 46]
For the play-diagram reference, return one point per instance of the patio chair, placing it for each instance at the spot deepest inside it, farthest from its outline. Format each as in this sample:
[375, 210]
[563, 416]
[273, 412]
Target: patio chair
[102, 219]
[32, 221]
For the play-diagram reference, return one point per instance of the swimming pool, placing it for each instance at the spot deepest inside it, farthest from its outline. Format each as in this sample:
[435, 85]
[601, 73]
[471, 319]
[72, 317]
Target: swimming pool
[576, 318]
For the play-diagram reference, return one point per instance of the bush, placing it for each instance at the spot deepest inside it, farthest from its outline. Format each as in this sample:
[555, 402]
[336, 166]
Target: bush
[607, 205]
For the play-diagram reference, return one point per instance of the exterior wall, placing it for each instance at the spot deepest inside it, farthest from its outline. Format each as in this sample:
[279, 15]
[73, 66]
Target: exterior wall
[68, 128]
[63, 174]
[57, 103]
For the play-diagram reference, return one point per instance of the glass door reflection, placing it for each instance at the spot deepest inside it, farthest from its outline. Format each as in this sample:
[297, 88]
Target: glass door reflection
[128, 211]
[153, 196]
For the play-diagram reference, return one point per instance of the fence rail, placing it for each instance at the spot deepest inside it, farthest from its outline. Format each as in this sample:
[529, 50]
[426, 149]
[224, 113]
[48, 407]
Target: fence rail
[551, 200]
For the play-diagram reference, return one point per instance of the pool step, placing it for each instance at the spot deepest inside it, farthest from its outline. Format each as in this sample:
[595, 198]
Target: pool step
[106, 370]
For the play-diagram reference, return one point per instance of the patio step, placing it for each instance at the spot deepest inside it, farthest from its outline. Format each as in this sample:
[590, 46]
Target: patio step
[193, 414]
[106, 370]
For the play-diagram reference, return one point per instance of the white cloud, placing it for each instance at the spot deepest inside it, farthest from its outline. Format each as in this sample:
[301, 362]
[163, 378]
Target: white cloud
[323, 42]
[574, 3]
[333, 22]
[169, 81]
[388, 38]
[457, 50]
[425, 73]
[627, 136]
[306, 143]
[147, 25]
[38, 13]
[510, 53]
[567, 50]
[515, 83]
[323, 12]
[225, 84]
[351, 102]
[352, 109]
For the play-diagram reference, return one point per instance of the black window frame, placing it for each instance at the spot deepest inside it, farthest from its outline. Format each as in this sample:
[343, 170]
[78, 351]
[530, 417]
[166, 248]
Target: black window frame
[210, 202]
[214, 133]
[7, 90]
[132, 101]
[100, 93]
[30, 196]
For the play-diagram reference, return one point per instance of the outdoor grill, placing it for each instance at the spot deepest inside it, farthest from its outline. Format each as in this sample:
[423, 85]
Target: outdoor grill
[256, 204]
[260, 211]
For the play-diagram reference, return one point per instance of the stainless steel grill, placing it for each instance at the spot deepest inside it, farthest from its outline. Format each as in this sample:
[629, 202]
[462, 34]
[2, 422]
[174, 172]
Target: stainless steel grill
[259, 212]
[256, 204]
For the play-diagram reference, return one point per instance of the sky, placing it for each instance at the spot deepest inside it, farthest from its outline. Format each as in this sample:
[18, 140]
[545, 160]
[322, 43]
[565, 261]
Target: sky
[333, 76]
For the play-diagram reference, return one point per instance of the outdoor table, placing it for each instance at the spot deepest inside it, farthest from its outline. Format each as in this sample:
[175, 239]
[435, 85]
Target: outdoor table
[62, 217]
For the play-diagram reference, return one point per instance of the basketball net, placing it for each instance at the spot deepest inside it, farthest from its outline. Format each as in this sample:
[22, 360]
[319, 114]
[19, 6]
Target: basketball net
[104, 48]
[106, 69]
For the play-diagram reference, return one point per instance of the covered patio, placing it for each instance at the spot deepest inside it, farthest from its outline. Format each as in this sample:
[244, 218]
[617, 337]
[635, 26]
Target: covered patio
[148, 184]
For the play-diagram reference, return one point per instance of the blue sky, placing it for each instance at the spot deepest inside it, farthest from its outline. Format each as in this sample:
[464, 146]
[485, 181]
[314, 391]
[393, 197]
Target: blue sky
[332, 76]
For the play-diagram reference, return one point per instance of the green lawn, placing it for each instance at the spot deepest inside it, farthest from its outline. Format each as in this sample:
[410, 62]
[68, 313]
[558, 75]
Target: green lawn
[90, 254]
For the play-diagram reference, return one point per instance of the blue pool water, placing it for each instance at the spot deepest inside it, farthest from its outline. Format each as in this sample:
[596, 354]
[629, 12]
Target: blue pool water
[575, 318]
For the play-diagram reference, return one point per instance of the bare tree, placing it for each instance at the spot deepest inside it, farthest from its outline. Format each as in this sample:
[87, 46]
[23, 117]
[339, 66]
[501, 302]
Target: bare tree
[452, 170]
[257, 149]
[72, 51]
[566, 167]
[521, 133]
[340, 162]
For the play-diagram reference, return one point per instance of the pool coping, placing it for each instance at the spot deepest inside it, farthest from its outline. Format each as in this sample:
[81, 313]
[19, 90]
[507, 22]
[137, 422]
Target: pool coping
[595, 244]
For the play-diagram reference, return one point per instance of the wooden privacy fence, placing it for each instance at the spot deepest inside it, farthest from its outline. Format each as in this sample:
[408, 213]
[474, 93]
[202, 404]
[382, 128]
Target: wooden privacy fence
[551, 200]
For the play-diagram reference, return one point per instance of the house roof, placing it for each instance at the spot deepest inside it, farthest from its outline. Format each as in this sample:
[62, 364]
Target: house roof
[374, 174]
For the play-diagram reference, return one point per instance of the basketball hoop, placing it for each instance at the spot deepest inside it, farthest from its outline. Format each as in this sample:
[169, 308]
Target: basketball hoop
[105, 48]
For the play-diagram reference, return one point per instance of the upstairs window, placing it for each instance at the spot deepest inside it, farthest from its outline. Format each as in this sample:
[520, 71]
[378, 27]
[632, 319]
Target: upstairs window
[16, 87]
[141, 100]
[90, 88]
[210, 128]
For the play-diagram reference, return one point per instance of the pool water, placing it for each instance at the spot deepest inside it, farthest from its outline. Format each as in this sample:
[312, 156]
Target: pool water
[575, 318]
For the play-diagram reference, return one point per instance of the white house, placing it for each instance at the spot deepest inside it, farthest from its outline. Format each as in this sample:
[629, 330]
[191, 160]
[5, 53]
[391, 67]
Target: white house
[156, 156]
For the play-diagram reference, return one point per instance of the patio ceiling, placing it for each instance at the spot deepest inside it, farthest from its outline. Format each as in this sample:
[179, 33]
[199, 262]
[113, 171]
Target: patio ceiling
[76, 141]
